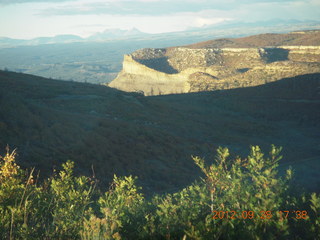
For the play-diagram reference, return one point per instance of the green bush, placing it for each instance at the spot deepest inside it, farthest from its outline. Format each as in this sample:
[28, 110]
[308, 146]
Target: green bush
[17, 200]
[235, 199]
[122, 211]
[71, 197]
[55, 209]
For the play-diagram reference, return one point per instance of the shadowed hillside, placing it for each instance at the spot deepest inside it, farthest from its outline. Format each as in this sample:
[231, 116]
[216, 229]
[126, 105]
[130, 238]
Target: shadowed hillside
[153, 138]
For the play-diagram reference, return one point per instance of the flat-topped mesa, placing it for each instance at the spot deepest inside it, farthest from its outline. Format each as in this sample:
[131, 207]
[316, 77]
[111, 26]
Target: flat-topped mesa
[174, 60]
[181, 69]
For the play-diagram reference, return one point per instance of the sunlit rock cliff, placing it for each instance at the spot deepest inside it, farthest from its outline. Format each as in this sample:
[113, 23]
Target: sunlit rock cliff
[189, 69]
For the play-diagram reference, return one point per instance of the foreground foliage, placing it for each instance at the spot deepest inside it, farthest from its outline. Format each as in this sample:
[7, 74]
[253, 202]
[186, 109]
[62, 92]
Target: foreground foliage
[236, 199]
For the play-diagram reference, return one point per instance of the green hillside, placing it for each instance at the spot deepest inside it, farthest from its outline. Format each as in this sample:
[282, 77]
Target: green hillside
[109, 131]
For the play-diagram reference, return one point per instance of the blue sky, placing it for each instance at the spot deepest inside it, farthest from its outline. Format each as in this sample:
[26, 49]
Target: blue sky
[34, 18]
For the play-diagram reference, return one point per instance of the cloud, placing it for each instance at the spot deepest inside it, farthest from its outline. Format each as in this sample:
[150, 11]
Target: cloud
[142, 7]
[84, 17]
[9, 2]
[146, 7]
[300, 10]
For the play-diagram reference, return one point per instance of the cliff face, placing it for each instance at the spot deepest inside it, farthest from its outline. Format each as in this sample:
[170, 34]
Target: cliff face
[182, 69]
[136, 77]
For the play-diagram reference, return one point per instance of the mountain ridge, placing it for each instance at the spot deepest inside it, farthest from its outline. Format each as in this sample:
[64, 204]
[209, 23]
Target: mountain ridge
[236, 63]
[296, 38]
[228, 29]
[108, 34]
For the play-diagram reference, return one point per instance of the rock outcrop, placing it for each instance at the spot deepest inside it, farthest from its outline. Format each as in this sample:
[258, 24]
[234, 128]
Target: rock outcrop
[182, 69]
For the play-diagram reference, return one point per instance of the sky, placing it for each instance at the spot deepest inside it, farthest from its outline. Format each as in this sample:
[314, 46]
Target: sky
[27, 19]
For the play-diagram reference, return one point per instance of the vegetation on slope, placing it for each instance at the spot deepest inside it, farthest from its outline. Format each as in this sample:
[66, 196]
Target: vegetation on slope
[237, 198]
[153, 137]
[302, 38]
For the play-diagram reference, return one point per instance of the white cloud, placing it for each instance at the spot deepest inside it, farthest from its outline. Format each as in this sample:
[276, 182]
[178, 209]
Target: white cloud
[201, 22]
[154, 16]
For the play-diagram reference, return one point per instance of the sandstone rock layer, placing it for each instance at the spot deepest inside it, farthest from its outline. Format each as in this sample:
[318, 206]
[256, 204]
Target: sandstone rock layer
[184, 69]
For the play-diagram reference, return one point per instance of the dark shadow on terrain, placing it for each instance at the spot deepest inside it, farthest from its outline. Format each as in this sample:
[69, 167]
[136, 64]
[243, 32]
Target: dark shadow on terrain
[243, 70]
[159, 64]
[285, 113]
[121, 133]
[302, 86]
[275, 54]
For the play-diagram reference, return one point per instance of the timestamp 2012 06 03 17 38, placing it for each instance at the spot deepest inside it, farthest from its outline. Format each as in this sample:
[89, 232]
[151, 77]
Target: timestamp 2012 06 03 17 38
[282, 214]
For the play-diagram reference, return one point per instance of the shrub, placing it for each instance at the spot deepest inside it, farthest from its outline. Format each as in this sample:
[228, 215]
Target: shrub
[236, 199]
[121, 210]
[71, 197]
[54, 210]
[17, 195]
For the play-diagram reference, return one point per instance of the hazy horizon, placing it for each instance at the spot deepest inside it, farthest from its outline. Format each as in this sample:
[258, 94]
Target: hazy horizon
[27, 19]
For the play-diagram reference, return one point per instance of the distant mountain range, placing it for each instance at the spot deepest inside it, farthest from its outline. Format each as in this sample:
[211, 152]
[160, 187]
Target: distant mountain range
[109, 34]
[10, 42]
[227, 29]
[116, 34]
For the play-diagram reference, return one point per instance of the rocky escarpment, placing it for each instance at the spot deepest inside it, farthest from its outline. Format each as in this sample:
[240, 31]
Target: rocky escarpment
[182, 69]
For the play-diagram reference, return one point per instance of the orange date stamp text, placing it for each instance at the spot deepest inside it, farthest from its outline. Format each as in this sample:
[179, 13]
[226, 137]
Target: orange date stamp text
[282, 215]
